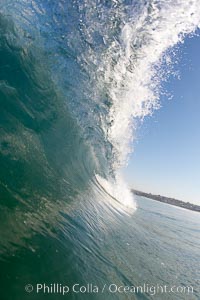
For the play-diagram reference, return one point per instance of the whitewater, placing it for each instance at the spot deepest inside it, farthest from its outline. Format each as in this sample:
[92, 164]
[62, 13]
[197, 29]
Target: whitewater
[76, 78]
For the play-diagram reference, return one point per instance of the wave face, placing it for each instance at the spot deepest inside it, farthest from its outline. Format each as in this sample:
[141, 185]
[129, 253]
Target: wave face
[75, 76]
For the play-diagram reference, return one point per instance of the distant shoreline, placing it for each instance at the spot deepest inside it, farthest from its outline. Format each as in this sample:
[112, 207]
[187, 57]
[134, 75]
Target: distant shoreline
[167, 200]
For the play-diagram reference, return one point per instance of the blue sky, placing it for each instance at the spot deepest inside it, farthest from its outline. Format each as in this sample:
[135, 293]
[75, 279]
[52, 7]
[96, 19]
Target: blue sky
[166, 159]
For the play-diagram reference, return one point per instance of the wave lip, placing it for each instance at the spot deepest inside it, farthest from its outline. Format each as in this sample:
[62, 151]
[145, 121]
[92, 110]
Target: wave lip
[133, 61]
[75, 77]
[116, 51]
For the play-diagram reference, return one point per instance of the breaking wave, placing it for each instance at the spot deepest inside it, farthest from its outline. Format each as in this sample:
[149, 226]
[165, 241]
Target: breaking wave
[75, 77]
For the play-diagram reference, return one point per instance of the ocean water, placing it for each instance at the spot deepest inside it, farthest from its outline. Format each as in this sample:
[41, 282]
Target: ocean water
[101, 244]
[76, 77]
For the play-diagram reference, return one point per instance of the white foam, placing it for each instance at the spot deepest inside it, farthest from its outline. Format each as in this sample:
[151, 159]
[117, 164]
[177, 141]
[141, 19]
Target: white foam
[119, 190]
[128, 68]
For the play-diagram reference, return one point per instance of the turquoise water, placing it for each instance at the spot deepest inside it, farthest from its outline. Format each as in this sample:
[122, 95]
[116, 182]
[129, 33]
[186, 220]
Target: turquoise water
[102, 244]
[75, 79]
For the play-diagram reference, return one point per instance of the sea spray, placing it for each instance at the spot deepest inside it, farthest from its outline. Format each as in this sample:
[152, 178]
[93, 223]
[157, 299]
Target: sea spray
[75, 78]
[130, 66]
[129, 56]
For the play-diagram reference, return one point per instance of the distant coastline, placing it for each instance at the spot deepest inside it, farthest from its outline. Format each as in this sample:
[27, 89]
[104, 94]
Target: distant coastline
[167, 200]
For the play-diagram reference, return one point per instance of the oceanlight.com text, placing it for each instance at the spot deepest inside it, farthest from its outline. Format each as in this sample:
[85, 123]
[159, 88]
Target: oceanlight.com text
[90, 288]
